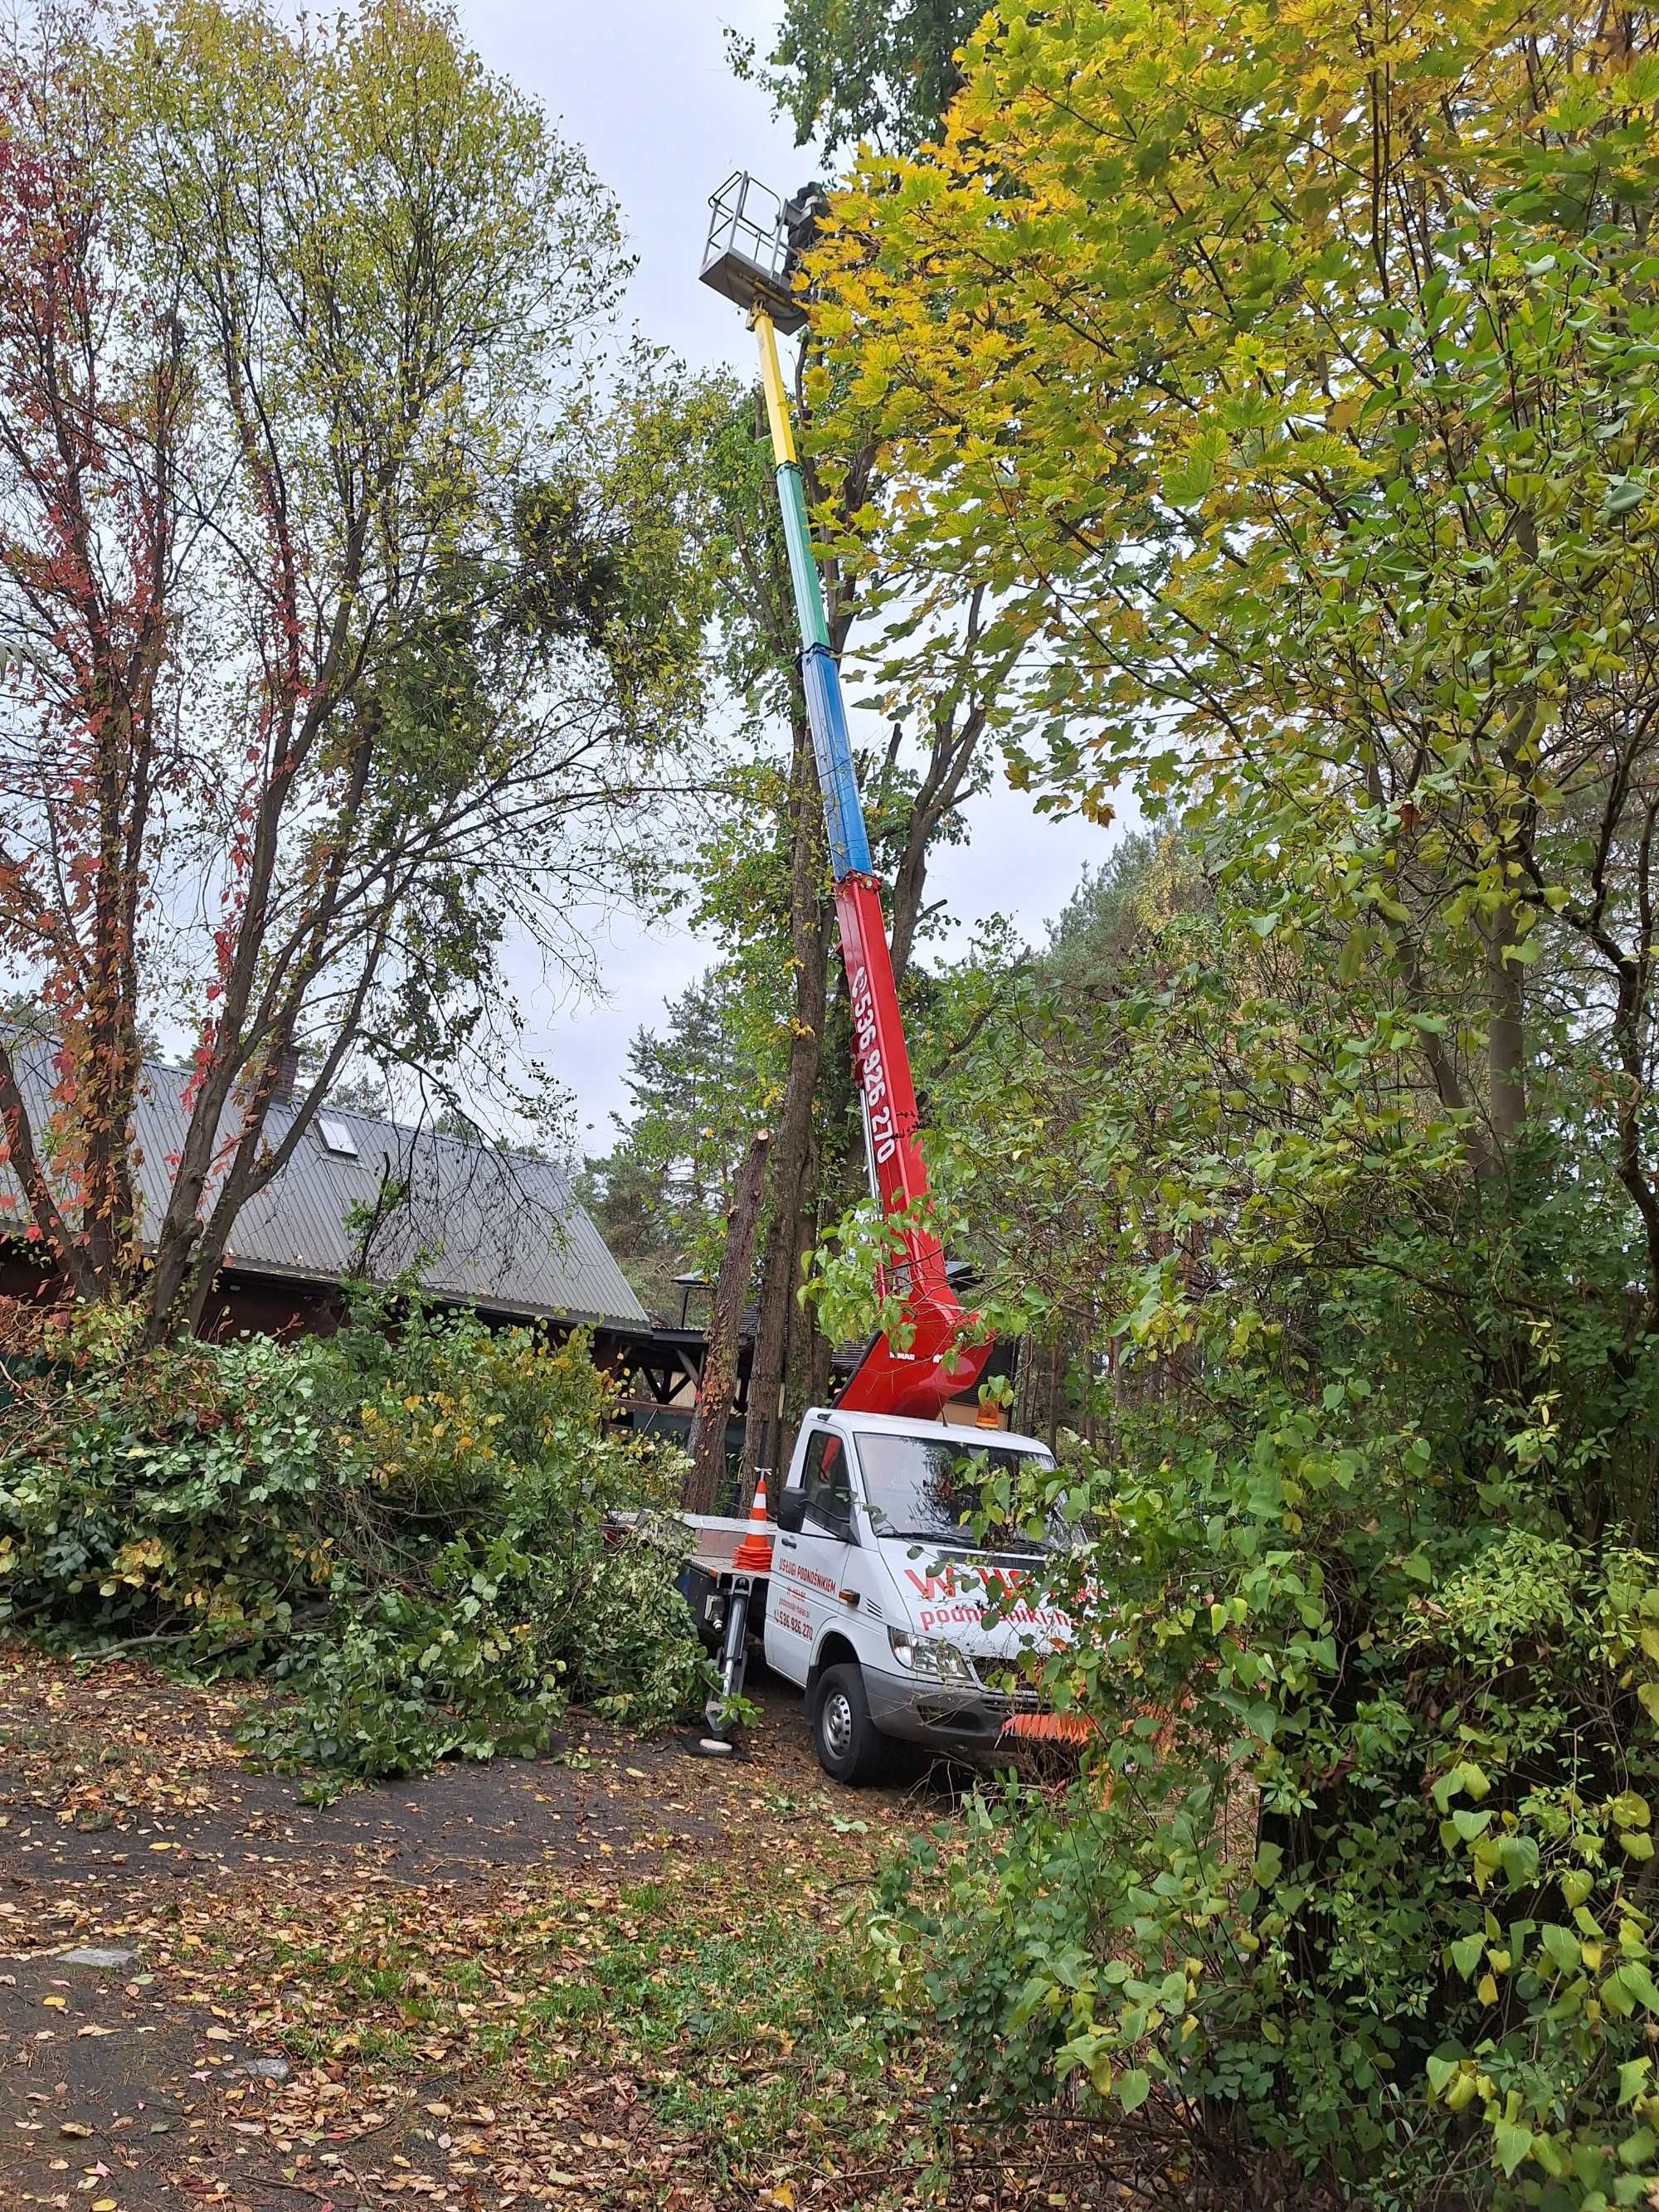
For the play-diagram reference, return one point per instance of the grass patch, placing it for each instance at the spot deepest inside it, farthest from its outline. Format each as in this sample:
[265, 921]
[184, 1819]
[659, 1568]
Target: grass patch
[744, 2013]
[746, 2020]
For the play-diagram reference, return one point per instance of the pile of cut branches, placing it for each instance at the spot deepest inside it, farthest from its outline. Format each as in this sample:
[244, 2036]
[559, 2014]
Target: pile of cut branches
[409, 1525]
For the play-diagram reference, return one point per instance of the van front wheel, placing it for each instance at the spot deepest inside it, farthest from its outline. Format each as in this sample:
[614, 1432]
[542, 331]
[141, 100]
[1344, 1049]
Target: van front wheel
[848, 1744]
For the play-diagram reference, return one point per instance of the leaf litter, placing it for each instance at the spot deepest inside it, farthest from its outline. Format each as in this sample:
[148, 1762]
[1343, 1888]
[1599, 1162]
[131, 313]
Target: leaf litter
[619, 1977]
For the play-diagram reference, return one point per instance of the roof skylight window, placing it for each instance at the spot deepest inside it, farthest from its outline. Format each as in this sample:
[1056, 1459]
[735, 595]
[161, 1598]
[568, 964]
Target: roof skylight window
[336, 1137]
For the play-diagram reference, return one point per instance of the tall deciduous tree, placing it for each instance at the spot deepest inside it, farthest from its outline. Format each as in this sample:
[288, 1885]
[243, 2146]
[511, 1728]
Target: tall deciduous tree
[1339, 515]
[1287, 374]
[844, 73]
[844, 70]
[747, 1044]
[761, 884]
[717, 1388]
[333, 660]
[784, 914]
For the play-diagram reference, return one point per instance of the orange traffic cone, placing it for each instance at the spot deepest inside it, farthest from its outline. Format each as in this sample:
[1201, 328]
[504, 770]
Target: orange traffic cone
[754, 1555]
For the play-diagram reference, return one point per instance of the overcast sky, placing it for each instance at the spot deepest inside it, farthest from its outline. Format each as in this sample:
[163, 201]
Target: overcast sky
[644, 87]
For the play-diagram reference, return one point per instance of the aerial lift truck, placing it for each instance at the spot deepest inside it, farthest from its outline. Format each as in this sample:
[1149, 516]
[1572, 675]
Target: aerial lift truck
[874, 1591]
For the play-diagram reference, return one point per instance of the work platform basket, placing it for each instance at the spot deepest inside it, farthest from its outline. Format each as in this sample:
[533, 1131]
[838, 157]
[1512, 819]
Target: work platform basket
[747, 256]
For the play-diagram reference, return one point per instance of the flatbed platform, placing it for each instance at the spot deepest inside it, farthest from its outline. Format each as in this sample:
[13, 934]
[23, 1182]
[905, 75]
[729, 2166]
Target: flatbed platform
[715, 1539]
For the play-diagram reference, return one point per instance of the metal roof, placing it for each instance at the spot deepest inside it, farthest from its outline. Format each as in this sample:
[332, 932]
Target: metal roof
[497, 1228]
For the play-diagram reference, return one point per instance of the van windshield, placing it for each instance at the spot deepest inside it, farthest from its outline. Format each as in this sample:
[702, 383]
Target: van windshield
[930, 1490]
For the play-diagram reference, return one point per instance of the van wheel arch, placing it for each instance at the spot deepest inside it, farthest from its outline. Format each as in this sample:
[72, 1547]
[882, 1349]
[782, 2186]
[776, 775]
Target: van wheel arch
[833, 1652]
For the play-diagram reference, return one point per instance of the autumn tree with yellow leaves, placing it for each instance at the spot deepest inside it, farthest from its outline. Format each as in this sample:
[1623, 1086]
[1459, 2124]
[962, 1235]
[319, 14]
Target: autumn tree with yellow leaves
[1287, 378]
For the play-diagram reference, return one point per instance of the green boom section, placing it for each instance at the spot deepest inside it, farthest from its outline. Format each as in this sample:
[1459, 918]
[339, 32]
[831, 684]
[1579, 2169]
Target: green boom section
[803, 568]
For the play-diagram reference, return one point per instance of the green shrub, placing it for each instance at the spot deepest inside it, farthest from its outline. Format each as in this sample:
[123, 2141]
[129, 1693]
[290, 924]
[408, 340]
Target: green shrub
[1375, 1899]
[1367, 1622]
[406, 1524]
[1358, 1879]
[177, 1492]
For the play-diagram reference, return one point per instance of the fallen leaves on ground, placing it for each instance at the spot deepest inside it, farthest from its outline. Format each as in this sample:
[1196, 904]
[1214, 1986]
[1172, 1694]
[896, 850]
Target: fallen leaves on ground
[619, 1977]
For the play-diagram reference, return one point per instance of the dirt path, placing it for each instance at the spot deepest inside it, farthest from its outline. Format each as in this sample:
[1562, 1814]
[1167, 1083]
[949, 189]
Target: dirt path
[122, 1779]
[621, 1976]
[601, 1978]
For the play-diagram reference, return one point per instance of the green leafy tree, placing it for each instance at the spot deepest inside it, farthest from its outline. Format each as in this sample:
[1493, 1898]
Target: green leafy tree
[762, 875]
[848, 71]
[660, 1194]
[1293, 393]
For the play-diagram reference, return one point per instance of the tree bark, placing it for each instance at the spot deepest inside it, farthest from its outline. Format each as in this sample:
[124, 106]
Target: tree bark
[707, 1443]
[818, 1374]
[1505, 1035]
[792, 1144]
[806, 1350]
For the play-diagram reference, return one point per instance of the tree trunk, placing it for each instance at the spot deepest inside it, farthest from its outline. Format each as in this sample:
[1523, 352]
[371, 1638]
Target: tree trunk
[806, 1350]
[954, 725]
[791, 1144]
[819, 1353]
[762, 1432]
[707, 1444]
[1505, 1035]
[952, 751]
[836, 1178]
[781, 1270]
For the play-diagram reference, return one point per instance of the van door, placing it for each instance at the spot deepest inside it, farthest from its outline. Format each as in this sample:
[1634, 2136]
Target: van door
[811, 1567]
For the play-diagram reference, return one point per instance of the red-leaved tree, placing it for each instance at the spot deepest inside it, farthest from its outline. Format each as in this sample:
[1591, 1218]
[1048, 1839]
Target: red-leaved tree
[328, 664]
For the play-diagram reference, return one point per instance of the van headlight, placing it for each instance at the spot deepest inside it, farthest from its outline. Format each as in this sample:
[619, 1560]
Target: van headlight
[928, 1654]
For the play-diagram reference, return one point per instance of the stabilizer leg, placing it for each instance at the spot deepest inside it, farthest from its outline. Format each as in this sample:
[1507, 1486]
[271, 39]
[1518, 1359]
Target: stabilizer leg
[734, 1667]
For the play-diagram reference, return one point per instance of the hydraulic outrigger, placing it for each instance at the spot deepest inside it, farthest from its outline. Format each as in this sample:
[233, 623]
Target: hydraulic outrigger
[753, 240]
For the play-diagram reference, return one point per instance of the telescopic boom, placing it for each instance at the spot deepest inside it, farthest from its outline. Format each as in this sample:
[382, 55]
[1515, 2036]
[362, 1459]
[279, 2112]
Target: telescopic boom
[748, 260]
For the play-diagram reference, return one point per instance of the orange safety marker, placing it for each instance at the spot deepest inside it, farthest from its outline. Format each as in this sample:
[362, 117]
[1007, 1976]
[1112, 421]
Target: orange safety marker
[754, 1555]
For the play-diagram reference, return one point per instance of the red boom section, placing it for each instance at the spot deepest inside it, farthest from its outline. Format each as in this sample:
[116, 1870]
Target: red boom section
[919, 1380]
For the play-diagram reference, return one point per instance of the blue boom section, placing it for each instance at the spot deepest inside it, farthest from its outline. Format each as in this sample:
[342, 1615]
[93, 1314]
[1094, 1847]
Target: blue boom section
[849, 842]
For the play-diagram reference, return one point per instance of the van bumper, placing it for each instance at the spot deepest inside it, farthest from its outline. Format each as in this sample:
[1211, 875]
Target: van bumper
[961, 1715]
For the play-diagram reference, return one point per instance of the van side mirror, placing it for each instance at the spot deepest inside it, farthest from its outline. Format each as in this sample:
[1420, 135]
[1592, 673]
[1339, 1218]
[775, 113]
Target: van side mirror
[792, 1510]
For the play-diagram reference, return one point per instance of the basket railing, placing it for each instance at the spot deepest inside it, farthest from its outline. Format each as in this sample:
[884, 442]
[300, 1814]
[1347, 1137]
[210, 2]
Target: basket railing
[747, 219]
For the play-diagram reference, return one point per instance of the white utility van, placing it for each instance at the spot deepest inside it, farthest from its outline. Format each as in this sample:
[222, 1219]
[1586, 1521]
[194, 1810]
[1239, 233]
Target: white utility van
[875, 1602]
